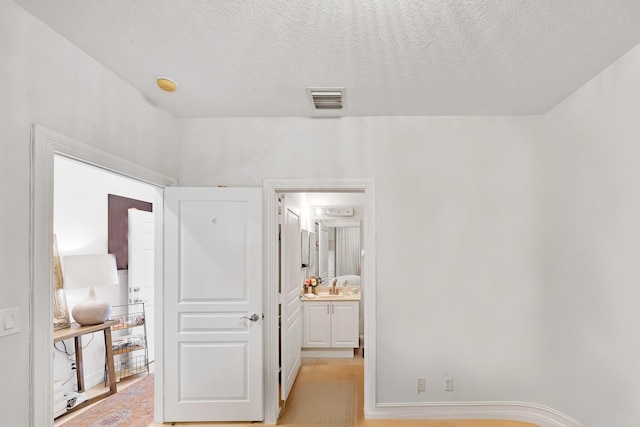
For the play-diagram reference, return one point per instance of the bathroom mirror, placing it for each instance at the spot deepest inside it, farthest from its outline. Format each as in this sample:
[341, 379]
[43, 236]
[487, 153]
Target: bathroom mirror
[340, 249]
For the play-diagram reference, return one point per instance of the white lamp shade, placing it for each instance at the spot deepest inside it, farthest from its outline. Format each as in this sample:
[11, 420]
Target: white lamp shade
[89, 271]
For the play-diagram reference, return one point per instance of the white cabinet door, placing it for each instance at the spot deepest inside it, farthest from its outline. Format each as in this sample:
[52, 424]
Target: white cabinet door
[344, 324]
[317, 324]
[331, 324]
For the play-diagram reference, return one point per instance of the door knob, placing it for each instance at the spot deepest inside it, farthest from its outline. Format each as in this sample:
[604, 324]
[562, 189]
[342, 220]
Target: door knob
[254, 317]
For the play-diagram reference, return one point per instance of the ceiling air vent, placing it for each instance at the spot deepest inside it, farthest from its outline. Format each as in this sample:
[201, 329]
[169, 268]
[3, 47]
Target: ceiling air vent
[327, 99]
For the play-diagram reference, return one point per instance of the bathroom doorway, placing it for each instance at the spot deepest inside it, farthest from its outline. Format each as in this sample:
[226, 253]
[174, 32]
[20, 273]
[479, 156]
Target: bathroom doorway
[318, 228]
[271, 189]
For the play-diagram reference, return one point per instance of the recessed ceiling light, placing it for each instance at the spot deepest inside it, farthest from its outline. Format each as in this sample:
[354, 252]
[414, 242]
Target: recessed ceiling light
[166, 84]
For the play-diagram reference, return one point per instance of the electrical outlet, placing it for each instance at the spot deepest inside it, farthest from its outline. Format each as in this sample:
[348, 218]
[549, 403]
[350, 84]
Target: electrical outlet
[421, 385]
[448, 383]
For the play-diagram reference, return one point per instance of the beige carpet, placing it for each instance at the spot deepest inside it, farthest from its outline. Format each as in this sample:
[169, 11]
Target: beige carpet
[321, 404]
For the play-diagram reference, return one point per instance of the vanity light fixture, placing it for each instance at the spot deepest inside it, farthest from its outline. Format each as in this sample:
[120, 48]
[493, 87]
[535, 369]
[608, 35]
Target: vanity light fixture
[344, 211]
[337, 211]
[166, 84]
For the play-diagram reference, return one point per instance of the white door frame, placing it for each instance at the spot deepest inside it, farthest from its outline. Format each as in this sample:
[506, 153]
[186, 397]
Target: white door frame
[45, 144]
[271, 188]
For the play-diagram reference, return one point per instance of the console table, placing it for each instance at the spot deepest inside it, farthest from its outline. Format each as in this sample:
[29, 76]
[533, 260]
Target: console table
[76, 332]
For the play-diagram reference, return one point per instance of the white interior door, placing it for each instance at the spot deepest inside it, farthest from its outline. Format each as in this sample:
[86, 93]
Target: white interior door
[141, 249]
[291, 276]
[213, 304]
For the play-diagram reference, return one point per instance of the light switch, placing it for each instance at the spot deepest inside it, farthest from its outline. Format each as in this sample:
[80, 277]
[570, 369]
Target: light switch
[9, 321]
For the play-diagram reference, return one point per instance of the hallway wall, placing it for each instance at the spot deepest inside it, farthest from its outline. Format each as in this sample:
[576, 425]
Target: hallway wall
[457, 258]
[507, 246]
[589, 153]
[53, 83]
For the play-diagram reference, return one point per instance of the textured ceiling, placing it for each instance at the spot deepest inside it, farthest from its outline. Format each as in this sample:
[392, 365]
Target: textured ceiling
[394, 57]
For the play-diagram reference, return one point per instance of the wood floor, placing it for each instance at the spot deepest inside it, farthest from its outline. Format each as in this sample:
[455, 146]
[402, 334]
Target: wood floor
[341, 370]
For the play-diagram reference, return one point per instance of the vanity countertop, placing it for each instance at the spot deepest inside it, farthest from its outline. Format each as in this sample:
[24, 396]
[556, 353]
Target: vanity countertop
[329, 297]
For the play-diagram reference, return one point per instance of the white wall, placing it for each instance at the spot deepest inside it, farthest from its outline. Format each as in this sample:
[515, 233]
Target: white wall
[457, 254]
[47, 80]
[80, 222]
[506, 245]
[590, 166]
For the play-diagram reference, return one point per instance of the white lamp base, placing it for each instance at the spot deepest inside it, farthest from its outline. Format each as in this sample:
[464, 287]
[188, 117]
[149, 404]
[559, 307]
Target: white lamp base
[92, 311]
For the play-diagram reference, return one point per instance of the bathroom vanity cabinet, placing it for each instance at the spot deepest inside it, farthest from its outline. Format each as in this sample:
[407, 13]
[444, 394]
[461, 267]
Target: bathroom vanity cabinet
[330, 328]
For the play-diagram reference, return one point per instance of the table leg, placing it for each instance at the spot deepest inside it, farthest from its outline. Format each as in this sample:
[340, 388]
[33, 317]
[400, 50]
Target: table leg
[79, 364]
[111, 373]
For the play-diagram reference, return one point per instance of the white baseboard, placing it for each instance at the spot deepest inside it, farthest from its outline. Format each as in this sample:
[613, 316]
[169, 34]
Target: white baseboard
[516, 411]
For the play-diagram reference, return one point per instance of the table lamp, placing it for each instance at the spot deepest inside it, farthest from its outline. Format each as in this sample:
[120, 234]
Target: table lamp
[89, 271]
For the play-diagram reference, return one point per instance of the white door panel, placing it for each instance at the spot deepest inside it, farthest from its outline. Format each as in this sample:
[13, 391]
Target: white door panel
[216, 242]
[229, 385]
[141, 241]
[212, 284]
[141, 246]
[291, 264]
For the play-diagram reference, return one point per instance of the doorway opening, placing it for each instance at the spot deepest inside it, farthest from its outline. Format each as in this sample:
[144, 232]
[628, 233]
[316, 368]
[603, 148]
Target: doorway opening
[271, 190]
[46, 145]
[99, 212]
[321, 324]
